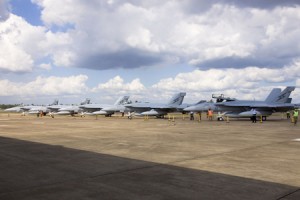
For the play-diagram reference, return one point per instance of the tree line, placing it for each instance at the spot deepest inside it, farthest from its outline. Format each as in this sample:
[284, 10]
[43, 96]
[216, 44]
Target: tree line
[5, 106]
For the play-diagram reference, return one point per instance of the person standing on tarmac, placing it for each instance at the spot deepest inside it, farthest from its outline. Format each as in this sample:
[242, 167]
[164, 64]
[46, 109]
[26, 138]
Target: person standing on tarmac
[288, 115]
[210, 114]
[295, 115]
[191, 116]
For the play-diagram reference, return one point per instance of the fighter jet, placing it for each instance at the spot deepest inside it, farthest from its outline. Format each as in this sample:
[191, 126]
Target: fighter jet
[31, 109]
[277, 101]
[55, 108]
[38, 109]
[72, 109]
[106, 109]
[158, 110]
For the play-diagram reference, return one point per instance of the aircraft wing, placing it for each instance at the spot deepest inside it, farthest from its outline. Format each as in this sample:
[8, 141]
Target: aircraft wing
[137, 106]
[55, 108]
[148, 106]
[93, 107]
[260, 106]
[163, 107]
[237, 104]
[114, 108]
[279, 107]
[151, 109]
[256, 105]
[155, 112]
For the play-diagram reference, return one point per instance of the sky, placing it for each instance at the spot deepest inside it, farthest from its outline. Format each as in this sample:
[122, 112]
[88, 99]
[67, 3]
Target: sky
[101, 49]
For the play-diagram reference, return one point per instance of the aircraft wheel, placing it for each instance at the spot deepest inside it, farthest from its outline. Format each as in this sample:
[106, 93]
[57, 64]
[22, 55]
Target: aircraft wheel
[220, 119]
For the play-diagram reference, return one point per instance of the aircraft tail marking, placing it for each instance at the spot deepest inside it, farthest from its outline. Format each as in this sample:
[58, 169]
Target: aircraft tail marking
[283, 97]
[272, 97]
[86, 101]
[122, 100]
[55, 102]
[177, 99]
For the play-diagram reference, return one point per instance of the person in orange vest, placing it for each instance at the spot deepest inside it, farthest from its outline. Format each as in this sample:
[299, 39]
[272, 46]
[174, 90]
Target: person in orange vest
[210, 114]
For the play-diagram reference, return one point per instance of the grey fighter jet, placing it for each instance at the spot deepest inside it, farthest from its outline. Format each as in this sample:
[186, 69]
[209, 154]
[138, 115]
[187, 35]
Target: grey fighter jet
[31, 109]
[71, 109]
[106, 109]
[38, 109]
[277, 101]
[158, 110]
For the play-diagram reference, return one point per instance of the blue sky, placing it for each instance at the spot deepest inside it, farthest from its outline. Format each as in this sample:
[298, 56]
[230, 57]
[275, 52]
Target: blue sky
[29, 11]
[101, 49]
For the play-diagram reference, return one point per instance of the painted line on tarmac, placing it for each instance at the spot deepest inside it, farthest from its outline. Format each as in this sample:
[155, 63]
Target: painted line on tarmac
[297, 139]
[38, 122]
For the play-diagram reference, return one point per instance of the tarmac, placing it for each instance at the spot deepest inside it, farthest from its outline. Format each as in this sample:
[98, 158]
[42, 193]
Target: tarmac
[111, 158]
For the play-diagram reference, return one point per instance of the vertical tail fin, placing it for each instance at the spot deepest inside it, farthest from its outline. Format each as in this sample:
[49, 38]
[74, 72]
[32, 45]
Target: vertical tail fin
[55, 102]
[177, 99]
[283, 97]
[122, 100]
[289, 100]
[86, 101]
[272, 97]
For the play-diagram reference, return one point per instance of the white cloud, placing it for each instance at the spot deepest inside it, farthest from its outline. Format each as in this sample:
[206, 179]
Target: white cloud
[117, 84]
[46, 66]
[248, 83]
[298, 82]
[19, 44]
[115, 87]
[110, 29]
[14, 59]
[107, 34]
[45, 86]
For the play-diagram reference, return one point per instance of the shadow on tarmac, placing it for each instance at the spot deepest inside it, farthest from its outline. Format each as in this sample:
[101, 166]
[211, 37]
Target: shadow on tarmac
[30, 170]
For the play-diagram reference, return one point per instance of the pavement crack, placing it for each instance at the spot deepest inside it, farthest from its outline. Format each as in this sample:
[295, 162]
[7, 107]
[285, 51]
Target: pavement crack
[80, 179]
[290, 193]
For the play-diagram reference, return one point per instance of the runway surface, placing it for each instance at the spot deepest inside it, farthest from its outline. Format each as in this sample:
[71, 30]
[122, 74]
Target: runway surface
[116, 158]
